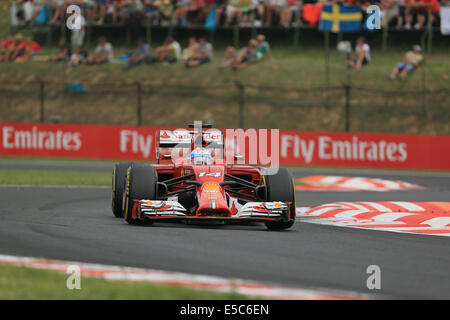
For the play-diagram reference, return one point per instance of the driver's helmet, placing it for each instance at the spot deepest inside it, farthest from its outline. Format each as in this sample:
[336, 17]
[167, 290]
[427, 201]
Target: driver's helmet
[201, 156]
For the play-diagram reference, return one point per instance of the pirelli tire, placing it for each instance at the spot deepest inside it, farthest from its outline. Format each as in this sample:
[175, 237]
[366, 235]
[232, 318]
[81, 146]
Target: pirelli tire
[141, 184]
[118, 187]
[280, 187]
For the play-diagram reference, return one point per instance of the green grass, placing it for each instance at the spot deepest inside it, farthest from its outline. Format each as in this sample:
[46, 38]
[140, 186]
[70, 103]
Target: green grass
[174, 96]
[53, 177]
[28, 283]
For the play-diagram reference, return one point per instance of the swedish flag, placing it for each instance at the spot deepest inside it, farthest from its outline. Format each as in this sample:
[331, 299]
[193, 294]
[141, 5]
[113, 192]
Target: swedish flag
[340, 18]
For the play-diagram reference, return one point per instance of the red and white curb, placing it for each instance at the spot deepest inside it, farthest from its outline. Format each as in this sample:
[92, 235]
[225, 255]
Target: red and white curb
[340, 183]
[430, 218]
[244, 287]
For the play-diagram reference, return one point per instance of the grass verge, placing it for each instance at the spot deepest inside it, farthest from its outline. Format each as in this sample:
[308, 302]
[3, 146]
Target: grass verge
[28, 283]
[53, 177]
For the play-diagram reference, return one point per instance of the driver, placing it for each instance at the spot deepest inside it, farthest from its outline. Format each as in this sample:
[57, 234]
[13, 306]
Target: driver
[201, 156]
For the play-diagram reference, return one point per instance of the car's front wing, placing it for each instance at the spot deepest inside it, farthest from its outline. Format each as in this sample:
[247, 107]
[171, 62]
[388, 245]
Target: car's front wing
[152, 210]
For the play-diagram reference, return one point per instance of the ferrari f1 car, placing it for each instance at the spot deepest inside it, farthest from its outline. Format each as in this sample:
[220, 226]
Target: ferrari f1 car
[200, 187]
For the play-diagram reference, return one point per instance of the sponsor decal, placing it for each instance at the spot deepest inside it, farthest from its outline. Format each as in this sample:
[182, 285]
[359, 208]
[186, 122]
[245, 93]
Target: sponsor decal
[34, 138]
[211, 187]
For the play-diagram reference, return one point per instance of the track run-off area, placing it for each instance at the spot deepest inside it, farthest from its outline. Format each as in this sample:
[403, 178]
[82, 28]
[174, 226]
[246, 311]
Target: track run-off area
[350, 231]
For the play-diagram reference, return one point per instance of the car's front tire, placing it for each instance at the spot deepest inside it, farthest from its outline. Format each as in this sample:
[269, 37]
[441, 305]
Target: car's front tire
[280, 187]
[141, 184]
[118, 187]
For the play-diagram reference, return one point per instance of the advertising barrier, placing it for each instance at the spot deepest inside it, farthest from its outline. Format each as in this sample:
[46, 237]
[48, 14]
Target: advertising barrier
[334, 149]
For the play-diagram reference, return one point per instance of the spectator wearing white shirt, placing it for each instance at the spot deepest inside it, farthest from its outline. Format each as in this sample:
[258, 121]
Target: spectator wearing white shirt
[78, 31]
[103, 53]
[361, 56]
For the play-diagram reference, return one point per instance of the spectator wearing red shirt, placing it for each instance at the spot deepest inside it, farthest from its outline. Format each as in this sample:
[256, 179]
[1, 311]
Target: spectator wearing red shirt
[32, 49]
[16, 48]
[423, 8]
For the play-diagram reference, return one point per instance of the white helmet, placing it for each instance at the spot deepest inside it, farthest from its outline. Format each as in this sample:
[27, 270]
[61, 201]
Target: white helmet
[201, 156]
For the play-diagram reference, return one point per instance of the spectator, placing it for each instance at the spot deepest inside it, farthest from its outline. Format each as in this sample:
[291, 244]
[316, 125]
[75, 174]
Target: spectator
[103, 53]
[293, 9]
[180, 13]
[195, 12]
[422, 8]
[411, 61]
[246, 13]
[233, 11]
[31, 49]
[79, 56]
[389, 11]
[274, 9]
[159, 10]
[58, 7]
[141, 55]
[79, 31]
[99, 10]
[65, 51]
[404, 14]
[190, 50]
[6, 47]
[16, 48]
[151, 10]
[116, 8]
[361, 56]
[241, 59]
[203, 54]
[263, 48]
[170, 51]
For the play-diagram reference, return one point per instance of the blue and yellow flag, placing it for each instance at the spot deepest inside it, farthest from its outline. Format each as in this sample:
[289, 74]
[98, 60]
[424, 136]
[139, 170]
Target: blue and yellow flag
[340, 18]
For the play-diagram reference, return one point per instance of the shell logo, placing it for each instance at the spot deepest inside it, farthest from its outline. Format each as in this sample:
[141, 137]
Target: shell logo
[211, 186]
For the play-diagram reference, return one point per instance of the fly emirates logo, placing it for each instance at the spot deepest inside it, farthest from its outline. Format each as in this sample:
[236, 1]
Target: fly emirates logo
[327, 148]
[37, 139]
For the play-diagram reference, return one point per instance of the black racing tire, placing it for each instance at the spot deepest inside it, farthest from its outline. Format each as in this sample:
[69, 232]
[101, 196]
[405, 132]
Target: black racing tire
[280, 187]
[141, 184]
[118, 187]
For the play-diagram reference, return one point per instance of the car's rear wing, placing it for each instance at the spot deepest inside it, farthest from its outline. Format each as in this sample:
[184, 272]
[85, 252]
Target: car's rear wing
[184, 139]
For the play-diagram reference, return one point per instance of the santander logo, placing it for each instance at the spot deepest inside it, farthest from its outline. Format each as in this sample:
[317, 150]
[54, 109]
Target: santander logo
[39, 139]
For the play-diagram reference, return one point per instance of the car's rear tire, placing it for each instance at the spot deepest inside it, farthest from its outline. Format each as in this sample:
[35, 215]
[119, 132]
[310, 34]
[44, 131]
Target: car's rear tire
[141, 184]
[280, 187]
[118, 187]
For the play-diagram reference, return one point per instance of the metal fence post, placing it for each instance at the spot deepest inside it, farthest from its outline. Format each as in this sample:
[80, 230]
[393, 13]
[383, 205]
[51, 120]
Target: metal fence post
[41, 100]
[241, 103]
[139, 104]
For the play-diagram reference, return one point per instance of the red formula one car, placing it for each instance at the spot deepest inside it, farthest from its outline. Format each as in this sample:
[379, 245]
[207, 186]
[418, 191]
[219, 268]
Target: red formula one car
[200, 186]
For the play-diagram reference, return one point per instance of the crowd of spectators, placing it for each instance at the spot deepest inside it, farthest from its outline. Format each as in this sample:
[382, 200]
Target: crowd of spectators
[396, 13]
[17, 49]
[198, 52]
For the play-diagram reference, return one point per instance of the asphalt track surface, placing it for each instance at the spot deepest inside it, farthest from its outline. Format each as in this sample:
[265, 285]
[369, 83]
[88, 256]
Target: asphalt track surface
[77, 224]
